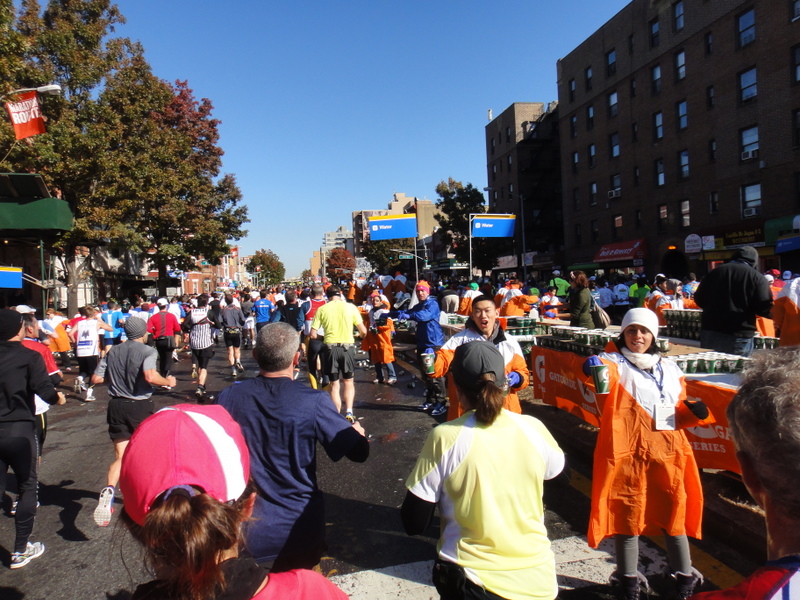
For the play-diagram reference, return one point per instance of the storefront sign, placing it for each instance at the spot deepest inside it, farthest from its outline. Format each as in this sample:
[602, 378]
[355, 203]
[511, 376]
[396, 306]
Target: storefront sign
[744, 236]
[693, 244]
[507, 262]
[621, 251]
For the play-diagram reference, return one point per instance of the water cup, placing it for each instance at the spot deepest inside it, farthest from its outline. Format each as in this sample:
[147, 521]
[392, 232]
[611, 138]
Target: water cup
[428, 359]
[600, 377]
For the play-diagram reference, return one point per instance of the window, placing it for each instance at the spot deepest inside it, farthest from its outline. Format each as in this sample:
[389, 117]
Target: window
[710, 97]
[633, 87]
[611, 62]
[680, 65]
[638, 218]
[635, 175]
[681, 114]
[589, 117]
[630, 43]
[751, 200]
[663, 217]
[747, 85]
[595, 231]
[709, 43]
[573, 126]
[613, 144]
[654, 33]
[578, 239]
[748, 142]
[494, 143]
[658, 126]
[576, 198]
[510, 161]
[592, 154]
[747, 28]
[655, 79]
[587, 78]
[683, 164]
[508, 135]
[796, 64]
[713, 203]
[658, 168]
[612, 104]
[593, 193]
[575, 159]
[712, 150]
[796, 128]
[616, 227]
[634, 131]
[571, 90]
[677, 15]
[494, 172]
[615, 182]
[795, 10]
[686, 219]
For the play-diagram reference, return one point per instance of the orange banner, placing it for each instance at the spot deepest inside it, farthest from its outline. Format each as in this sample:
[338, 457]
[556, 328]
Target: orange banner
[558, 380]
[26, 117]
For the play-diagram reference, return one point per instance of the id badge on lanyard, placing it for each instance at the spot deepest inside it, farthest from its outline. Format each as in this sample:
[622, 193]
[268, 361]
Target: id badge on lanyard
[664, 412]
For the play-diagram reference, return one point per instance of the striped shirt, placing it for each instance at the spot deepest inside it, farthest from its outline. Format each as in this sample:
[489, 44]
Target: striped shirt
[200, 334]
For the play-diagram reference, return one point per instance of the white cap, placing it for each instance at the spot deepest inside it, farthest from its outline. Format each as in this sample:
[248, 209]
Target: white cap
[769, 277]
[162, 302]
[787, 275]
[556, 272]
[641, 316]
[24, 309]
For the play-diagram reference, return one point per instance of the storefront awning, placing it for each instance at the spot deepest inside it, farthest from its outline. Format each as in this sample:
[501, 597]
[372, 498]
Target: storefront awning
[583, 267]
[621, 251]
[787, 244]
[774, 229]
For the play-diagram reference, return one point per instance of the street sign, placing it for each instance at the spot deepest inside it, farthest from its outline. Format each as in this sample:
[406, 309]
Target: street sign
[405, 257]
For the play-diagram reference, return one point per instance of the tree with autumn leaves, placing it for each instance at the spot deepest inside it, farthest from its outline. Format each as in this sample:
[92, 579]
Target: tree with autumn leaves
[137, 157]
[266, 267]
[339, 265]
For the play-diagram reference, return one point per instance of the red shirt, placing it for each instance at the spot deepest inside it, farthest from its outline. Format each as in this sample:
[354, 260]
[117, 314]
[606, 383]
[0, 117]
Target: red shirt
[170, 324]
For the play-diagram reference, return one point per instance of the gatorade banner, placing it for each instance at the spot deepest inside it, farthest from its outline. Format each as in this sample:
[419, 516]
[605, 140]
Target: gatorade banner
[391, 227]
[10, 277]
[493, 226]
[558, 380]
[26, 116]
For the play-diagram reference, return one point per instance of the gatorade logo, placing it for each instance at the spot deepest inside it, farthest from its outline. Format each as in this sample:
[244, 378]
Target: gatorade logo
[539, 366]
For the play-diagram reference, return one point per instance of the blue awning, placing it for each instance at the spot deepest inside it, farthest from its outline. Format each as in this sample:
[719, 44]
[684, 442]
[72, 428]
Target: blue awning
[787, 244]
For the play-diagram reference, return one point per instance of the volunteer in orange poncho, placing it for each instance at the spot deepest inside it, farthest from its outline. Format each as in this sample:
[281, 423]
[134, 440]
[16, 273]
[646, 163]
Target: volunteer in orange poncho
[786, 313]
[645, 479]
[378, 341]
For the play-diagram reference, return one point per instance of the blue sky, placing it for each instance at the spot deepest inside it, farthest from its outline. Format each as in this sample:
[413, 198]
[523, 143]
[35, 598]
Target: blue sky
[331, 107]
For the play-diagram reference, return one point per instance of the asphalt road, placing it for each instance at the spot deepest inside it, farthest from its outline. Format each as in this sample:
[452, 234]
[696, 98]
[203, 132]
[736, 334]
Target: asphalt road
[362, 502]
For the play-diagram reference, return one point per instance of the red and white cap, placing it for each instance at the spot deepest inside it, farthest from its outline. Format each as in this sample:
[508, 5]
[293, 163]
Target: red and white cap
[184, 445]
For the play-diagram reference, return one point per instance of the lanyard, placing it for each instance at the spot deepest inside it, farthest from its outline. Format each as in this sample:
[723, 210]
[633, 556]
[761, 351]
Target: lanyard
[659, 382]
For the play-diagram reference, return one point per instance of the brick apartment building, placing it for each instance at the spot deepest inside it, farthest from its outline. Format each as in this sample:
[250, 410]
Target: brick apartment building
[680, 137]
[522, 161]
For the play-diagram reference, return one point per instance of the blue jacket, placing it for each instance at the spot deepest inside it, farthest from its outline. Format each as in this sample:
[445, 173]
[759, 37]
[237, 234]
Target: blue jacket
[426, 314]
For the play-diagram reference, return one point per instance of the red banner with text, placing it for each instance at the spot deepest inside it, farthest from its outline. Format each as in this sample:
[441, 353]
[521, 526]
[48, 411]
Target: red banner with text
[26, 117]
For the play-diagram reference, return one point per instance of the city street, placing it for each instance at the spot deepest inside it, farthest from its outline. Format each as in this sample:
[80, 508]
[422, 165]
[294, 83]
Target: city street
[369, 555]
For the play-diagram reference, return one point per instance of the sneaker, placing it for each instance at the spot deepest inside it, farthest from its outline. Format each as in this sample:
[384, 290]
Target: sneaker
[76, 387]
[194, 372]
[377, 380]
[234, 373]
[105, 507]
[89, 395]
[439, 409]
[200, 392]
[427, 405]
[81, 384]
[239, 366]
[350, 416]
[391, 381]
[166, 388]
[33, 550]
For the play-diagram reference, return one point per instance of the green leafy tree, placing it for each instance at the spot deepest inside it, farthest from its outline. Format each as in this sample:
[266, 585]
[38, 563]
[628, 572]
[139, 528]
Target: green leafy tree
[306, 275]
[456, 202]
[267, 267]
[381, 256]
[340, 264]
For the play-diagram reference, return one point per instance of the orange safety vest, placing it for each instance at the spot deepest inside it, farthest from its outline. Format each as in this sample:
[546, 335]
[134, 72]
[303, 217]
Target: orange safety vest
[786, 313]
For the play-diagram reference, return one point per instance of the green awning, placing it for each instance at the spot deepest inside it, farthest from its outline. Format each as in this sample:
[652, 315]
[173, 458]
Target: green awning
[775, 228]
[26, 208]
[583, 266]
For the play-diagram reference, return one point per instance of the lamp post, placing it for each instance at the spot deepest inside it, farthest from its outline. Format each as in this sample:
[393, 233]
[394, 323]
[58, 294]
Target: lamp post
[521, 199]
[52, 89]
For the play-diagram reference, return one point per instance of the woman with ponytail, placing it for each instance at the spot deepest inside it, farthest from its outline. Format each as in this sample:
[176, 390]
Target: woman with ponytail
[185, 478]
[485, 471]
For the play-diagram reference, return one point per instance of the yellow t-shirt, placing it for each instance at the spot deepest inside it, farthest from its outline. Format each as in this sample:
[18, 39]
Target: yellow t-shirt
[337, 318]
[487, 481]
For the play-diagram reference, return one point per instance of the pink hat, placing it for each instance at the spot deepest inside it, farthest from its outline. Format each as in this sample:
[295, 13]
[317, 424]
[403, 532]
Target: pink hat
[423, 285]
[184, 445]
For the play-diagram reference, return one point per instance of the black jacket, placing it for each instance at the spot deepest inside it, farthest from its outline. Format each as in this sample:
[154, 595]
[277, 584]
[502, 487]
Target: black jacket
[22, 375]
[731, 297]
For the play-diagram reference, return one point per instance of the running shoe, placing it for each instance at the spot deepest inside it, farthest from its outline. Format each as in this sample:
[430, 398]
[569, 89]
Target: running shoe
[377, 381]
[200, 393]
[233, 372]
[194, 372]
[239, 366]
[350, 416]
[89, 395]
[20, 559]
[427, 405]
[439, 409]
[82, 384]
[105, 507]
[391, 381]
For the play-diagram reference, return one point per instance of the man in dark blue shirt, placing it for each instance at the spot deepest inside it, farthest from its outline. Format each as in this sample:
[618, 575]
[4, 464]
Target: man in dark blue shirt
[282, 421]
[262, 309]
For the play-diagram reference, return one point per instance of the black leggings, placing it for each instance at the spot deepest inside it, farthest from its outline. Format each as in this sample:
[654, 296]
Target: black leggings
[314, 351]
[18, 450]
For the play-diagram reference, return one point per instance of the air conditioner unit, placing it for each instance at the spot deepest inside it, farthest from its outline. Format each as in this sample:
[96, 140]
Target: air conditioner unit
[749, 154]
[751, 212]
[615, 193]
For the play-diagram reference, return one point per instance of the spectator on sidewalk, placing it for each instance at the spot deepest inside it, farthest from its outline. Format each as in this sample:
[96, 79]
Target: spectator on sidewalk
[282, 421]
